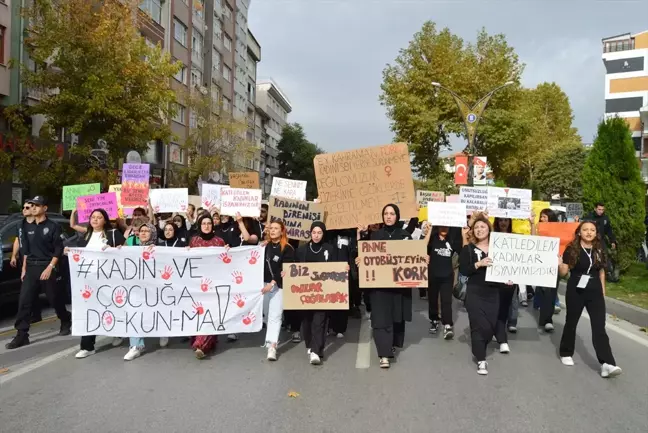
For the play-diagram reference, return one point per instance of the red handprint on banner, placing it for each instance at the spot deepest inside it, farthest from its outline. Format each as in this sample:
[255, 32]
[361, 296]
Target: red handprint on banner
[148, 252]
[250, 318]
[238, 277]
[119, 297]
[204, 284]
[108, 319]
[239, 300]
[254, 257]
[183, 207]
[76, 255]
[226, 258]
[168, 271]
[207, 203]
[198, 308]
[157, 209]
[86, 292]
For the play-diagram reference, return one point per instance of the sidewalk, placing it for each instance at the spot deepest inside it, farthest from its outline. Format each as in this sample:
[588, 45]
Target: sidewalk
[630, 313]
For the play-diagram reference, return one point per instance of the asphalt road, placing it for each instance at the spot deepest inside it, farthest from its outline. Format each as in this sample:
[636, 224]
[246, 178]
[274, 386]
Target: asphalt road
[433, 386]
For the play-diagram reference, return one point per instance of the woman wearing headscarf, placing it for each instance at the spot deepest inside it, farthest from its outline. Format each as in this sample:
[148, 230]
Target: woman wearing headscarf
[172, 236]
[482, 297]
[313, 325]
[203, 344]
[98, 236]
[181, 226]
[390, 308]
[147, 238]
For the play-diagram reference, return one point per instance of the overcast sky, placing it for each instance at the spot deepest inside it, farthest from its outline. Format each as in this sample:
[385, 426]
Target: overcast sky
[328, 55]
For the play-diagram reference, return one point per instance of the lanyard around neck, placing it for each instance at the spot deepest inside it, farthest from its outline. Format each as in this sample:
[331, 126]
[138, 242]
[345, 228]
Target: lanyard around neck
[589, 256]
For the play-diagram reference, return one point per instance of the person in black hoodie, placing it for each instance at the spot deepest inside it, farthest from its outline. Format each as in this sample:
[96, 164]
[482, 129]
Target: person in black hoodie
[390, 308]
[313, 325]
[99, 235]
[277, 252]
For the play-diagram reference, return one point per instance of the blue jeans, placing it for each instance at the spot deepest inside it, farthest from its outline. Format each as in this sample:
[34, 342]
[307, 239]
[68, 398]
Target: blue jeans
[136, 342]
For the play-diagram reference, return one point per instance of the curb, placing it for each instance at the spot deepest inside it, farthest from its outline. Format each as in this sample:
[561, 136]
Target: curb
[630, 313]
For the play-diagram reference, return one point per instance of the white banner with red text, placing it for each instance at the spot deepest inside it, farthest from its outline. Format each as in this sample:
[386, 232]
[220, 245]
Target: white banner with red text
[166, 292]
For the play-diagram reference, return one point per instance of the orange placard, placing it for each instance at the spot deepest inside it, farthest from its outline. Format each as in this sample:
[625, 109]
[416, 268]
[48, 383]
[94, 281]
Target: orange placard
[564, 231]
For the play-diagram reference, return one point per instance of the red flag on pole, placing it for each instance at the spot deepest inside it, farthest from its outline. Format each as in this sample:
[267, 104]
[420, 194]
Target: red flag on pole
[461, 170]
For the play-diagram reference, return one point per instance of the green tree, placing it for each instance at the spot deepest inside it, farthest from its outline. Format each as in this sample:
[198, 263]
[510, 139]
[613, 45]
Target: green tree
[98, 79]
[441, 180]
[425, 117]
[561, 172]
[216, 142]
[296, 156]
[612, 176]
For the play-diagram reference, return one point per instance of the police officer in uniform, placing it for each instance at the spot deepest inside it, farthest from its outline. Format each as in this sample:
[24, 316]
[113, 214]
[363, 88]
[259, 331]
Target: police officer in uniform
[42, 247]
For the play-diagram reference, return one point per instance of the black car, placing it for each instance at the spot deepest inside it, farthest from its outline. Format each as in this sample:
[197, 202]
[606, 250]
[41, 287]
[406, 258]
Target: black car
[9, 276]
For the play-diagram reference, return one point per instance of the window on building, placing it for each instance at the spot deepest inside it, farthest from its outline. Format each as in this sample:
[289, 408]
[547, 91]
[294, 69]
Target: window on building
[228, 11]
[181, 75]
[227, 43]
[176, 153]
[3, 31]
[215, 94]
[227, 104]
[216, 61]
[179, 116]
[197, 47]
[199, 9]
[193, 119]
[153, 8]
[218, 28]
[180, 32]
[196, 77]
[227, 73]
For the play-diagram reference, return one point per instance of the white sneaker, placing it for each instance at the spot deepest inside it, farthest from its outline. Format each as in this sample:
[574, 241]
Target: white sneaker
[608, 370]
[368, 315]
[482, 368]
[84, 354]
[340, 335]
[549, 327]
[315, 359]
[272, 353]
[504, 348]
[164, 341]
[567, 360]
[117, 341]
[512, 329]
[133, 352]
[232, 338]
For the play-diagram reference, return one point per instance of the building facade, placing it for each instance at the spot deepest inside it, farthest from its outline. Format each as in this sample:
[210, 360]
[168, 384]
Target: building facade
[626, 86]
[273, 107]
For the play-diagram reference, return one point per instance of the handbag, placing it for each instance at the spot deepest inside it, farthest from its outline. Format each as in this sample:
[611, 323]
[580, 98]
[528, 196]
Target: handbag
[460, 287]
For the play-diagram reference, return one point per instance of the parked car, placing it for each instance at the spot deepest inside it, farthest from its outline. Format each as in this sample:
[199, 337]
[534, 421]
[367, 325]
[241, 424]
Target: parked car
[9, 276]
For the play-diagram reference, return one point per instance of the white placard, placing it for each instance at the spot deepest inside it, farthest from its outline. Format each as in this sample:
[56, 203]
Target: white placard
[509, 202]
[169, 199]
[287, 188]
[247, 202]
[441, 214]
[424, 197]
[522, 259]
[475, 198]
[211, 195]
[166, 292]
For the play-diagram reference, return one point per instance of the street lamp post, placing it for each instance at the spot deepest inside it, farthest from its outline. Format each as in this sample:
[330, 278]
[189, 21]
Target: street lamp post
[471, 117]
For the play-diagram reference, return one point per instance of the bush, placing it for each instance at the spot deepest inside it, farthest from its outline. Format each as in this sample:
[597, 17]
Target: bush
[612, 176]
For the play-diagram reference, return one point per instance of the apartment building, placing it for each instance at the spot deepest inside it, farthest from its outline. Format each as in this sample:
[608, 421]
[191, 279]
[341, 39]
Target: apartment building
[626, 86]
[273, 108]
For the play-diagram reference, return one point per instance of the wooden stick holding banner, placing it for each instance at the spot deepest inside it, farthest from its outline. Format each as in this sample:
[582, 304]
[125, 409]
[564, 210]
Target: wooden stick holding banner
[396, 264]
[316, 286]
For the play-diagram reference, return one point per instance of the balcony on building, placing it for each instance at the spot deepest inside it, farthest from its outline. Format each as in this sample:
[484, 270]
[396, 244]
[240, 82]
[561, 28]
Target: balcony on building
[624, 42]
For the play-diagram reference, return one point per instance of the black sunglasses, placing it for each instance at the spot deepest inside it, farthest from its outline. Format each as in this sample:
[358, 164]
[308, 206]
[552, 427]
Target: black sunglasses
[26, 207]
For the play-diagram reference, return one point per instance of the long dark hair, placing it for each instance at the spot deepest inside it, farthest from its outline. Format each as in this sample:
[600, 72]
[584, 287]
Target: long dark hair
[551, 215]
[598, 253]
[496, 226]
[105, 227]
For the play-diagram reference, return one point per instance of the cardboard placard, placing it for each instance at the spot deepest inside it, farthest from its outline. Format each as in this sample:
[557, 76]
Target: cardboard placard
[169, 199]
[509, 202]
[447, 214]
[297, 215]
[248, 180]
[246, 202]
[424, 197]
[475, 198]
[393, 264]
[566, 232]
[574, 210]
[354, 186]
[288, 188]
[316, 286]
[521, 259]
[135, 185]
[87, 204]
[72, 192]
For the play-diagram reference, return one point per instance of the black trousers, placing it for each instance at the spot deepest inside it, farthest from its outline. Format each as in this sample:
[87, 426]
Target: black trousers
[313, 331]
[547, 304]
[593, 300]
[387, 338]
[367, 300]
[355, 295]
[88, 342]
[482, 315]
[338, 321]
[442, 287]
[32, 284]
[293, 319]
[505, 301]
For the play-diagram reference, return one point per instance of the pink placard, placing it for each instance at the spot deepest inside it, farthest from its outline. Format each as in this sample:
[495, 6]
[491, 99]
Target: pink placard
[452, 198]
[86, 204]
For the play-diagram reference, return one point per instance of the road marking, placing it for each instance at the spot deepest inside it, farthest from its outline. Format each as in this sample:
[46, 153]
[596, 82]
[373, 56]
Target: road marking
[14, 374]
[10, 330]
[363, 356]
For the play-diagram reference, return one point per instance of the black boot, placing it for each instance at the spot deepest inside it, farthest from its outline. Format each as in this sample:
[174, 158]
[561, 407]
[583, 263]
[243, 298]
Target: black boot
[18, 341]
